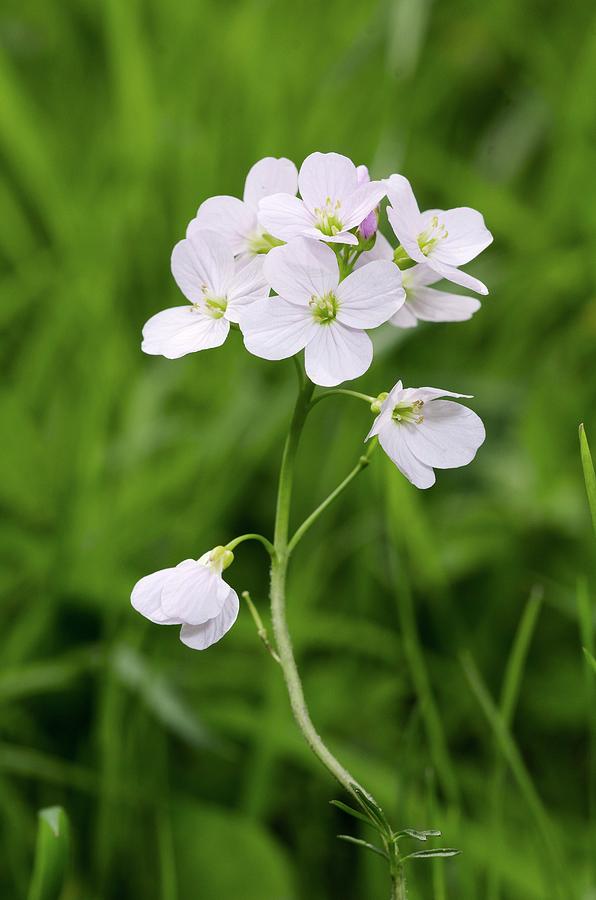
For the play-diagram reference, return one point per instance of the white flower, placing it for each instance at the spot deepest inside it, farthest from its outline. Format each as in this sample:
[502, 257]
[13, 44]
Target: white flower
[192, 594]
[423, 303]
[444, 239]
[421, 432]
[314, 310]
[237, 220]
[217, 288]
[333, 202]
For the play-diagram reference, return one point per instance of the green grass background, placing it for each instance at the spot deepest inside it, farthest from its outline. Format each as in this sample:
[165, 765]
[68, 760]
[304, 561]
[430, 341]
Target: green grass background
[439, 633]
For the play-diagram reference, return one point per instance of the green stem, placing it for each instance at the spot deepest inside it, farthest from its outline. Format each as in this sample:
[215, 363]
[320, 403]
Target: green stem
[360, 465]
[346, 393]
[231, 545]
[398, 885]
[279, 566]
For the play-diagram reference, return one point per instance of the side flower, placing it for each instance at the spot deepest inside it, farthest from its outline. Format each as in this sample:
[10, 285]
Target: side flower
[333, 202]
[420, 432]
[217, 288]
[423, 302]
[237, 220]
[443, 239]
[192, 594]
[317, 313]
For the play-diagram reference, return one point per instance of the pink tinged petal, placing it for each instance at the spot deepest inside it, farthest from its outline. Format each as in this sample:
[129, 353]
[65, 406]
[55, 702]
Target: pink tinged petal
[146, 597]
[404, 215]
[302, 269]
[381, 250]
[286, 217]
[194, 593]
[362, 174]
[175, 332]
[370, 296]
[420, 275]
[369, 226]
[203, 260]
[448, 437]
[248, 284]
[270, 176]
[404, 317]
[393, 397]
[391, 439]
[467, 235]
[406, 232]
[342, 237]
[457, 276]
[276, 329]
[337, 353]
[230, 217]
[326, 175]
[430, 305]
[199, 637]
[360, 203]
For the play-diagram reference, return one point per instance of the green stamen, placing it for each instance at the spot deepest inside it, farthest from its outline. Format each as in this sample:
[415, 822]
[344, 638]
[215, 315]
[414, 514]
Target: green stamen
[408, 413]
[324, 309]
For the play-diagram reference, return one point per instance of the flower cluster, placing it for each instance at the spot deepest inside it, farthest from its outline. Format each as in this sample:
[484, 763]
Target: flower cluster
[299, 264]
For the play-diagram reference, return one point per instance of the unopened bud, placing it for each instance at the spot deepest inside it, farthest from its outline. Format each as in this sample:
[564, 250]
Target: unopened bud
[375, 406]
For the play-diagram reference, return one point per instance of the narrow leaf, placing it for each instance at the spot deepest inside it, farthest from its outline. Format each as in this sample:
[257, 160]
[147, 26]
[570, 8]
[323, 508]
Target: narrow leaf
[51, 855]
[365, 844]
[417, 835]
[590, 659]
[351, 812]
[589, 476]
[371, 807]
[429, 854]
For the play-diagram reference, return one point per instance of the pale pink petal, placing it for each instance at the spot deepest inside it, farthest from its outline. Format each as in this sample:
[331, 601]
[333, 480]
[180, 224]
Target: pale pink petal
[391, 439]
[276, 329]
[270, 176]
[193, 593]
[362, 174]
[420, 275]
[381, 250]
[448, 437]
[404, 317]
[467, 235]
[203, 260]
[431, 305]
[363, 200]
[384, 416]
[146, 597]
[248, 284]
[302, 269]
[326, 176]
[371, 295]
[286, 217]
[337, 353]
[342, 237]
[458, 277]
[175, 332]
[228, 216]
[199, 637]
[406, 232]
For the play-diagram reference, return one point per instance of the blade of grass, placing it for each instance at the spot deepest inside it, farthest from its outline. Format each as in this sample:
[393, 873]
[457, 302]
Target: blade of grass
[589, 475]
[51, 855]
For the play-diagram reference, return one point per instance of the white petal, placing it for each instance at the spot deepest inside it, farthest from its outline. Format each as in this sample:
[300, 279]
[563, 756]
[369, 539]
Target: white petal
[326, 175]
[146, 597]
[406, 232]
[363, 200]
[229, 217]
[362, 174]
[404, 214]
[248, 284]
[426, 393]
[448, 437]
[342, 237]
[276, 329]
[193, 593]
[302, 269]
[286, 217]
[457, 276]
[467, 235]
[370, 296]
[203, 259]
[381, 250]
[199, 637]
[430, 305]
[391, 439]
[175, 332]
[337, 353]
[404, 317]
[270, 176]
[419, 275]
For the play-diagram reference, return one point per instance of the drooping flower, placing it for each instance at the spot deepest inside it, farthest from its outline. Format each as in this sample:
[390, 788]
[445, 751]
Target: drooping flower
[217, 288]
[333, 202]
[420, 431]
[423, 302]
[237, 220]
[443, 239]
[192, 594]
[316, 312]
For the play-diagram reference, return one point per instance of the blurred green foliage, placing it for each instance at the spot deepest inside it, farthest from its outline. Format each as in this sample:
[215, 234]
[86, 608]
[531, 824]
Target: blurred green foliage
[463, 705]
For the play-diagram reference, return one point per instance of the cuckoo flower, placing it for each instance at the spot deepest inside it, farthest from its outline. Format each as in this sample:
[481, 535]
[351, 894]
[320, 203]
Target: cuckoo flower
[443, 239]
[316, 312]
[423, 303]
[237, 220]
[333, 202]
[192, 594]
[217, 288]
[420, 432]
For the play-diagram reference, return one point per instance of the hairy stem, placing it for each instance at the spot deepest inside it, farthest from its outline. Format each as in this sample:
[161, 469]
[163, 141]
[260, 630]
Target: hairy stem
[398, 885]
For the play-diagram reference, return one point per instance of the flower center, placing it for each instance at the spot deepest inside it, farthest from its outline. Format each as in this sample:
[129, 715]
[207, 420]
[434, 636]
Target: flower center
[213, 306]
[436, 232]
[408, 413]
[324, 309]
[328, 221]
